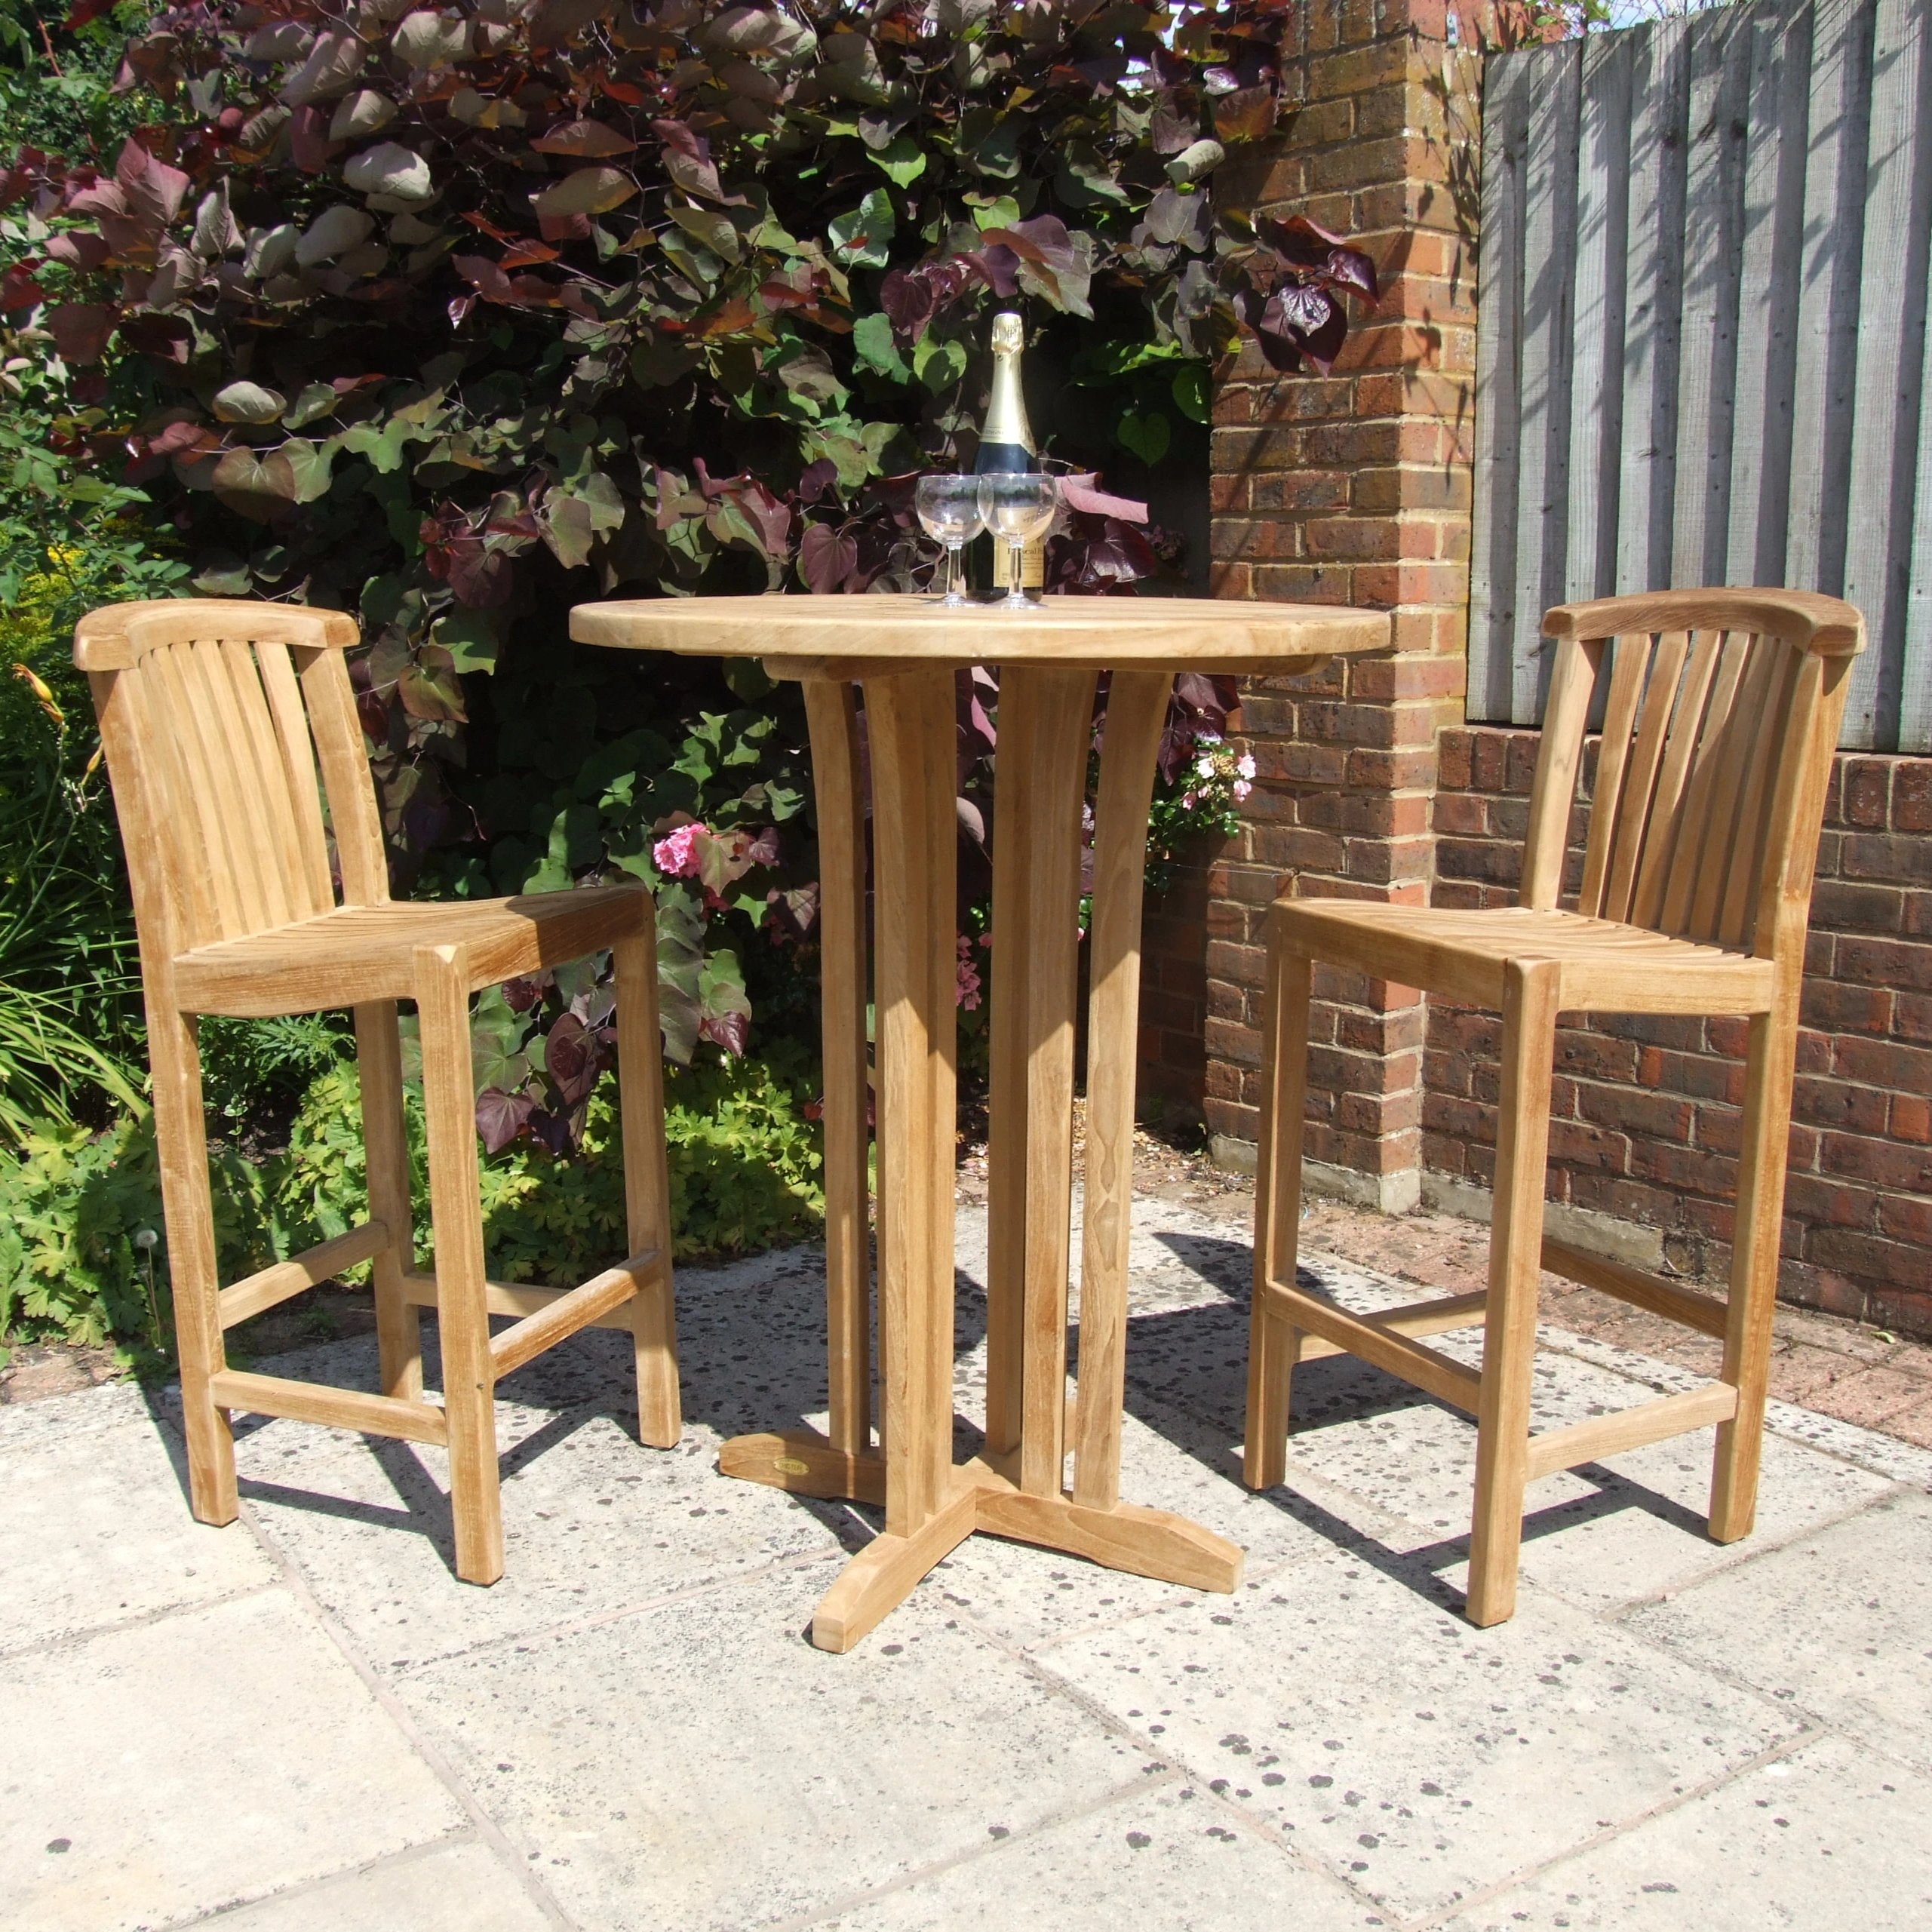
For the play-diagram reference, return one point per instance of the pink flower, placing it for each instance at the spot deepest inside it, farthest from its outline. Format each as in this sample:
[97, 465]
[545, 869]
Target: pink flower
[676, 854]
[966, 981]
[1241, 788]
[1186, 801]
[1245, 764]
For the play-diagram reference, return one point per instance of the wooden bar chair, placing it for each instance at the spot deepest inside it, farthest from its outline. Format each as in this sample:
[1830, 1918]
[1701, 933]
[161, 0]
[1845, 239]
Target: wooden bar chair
[214, 716]
[1721, 719]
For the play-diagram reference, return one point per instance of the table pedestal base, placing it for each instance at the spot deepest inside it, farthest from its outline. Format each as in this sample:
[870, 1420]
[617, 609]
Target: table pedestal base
[1145, 1542]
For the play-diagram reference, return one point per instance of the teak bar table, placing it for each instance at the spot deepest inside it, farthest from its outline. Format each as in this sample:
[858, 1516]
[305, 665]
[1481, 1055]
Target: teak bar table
[903, 653]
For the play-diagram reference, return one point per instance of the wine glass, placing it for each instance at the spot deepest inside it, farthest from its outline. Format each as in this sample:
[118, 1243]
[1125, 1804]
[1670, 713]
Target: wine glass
[1018, 508]
[949, 509]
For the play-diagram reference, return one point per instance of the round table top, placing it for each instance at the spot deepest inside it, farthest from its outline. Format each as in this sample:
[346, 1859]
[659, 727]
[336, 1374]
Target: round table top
[1204, 633]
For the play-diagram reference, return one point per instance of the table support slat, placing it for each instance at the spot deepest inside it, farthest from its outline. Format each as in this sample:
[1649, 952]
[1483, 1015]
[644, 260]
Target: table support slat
[911, 728]
[1136, 710]
[838, 783]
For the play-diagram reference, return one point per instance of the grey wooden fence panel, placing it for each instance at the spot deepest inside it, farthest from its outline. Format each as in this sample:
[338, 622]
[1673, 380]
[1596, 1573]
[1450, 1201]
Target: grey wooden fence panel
[1550, 235]
[1828, 294]
[1596, 392]
[1492, 606]
[1891, 329]
[1915, 665]
[1771, 251]
[1704, 354]
[1653, 270]
[1707, 360]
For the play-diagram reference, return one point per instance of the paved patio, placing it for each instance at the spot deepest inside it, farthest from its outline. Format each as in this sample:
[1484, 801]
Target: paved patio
[303, 1724]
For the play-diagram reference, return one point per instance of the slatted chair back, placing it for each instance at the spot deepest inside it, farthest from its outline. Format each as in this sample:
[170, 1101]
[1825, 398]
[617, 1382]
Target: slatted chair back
[237, 759]
[1720, 719]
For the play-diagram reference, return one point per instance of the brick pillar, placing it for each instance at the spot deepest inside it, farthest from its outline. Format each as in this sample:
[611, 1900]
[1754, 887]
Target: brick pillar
[1353, 488]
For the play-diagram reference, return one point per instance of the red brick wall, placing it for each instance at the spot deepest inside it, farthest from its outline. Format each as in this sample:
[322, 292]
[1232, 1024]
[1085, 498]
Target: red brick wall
[1352, 488]
[1645, 1125]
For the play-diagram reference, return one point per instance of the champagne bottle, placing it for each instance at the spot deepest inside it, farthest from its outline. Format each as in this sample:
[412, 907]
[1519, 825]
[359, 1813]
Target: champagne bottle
[1006, 448]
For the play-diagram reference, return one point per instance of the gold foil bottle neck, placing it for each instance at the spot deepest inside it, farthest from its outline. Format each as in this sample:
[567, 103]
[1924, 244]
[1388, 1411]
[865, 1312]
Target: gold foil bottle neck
[1006, 422]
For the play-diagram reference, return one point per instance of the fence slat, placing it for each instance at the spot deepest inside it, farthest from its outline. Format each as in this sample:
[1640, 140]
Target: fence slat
[1914, 733]
[1492, 603]
[1891, 329]
[1550, 235]
[1828, 294]
[1771, 250]
[1653, 274]
[1707, 359]
[1596, 393]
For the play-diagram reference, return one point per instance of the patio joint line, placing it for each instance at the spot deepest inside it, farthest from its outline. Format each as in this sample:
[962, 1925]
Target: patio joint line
[163, 1614]
[1751, 1549]
[1605, 1835]
[1203, 1782]
[409, 1853]
[1053, 1821]
[596, 1620]
[491, 1832]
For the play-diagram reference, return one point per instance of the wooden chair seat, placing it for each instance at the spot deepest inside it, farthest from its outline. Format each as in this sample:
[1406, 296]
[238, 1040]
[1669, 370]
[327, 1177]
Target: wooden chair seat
[1602, 964]
[1721, 711]
[359, 953]
[255, 854]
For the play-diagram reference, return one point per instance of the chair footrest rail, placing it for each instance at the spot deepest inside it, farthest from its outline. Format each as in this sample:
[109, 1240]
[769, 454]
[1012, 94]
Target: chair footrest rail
[277, 1283]
[1377, 1338]
[574, 1309]
[334, 1408]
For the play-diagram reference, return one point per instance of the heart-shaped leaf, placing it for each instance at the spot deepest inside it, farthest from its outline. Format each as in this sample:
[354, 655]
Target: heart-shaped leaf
[861, 238]
[584, 140]
[589, 190]
[1145, 436]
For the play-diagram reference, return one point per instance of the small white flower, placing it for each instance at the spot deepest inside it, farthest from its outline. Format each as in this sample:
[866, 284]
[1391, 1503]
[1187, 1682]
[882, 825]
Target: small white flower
[1241, 788]
[1245, 765]
[1205, 767]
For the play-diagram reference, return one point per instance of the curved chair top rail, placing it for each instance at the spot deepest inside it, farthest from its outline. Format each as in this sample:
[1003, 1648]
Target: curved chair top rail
[1824, 625]
[118, 637]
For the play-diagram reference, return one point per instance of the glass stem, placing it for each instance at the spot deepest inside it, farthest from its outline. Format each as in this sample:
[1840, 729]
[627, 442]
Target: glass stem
[955, 556]
[1015, 571]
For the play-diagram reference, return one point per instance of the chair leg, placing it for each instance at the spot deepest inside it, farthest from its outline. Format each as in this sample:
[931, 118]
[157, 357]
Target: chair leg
[647, 1187]
[1769, 1065]
[455, 1209]
[1272, 1345]
[384, 1137]
[181, 1139]
[1530, 991]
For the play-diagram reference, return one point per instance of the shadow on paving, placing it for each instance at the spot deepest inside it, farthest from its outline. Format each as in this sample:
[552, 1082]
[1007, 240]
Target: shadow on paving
[752, 1358]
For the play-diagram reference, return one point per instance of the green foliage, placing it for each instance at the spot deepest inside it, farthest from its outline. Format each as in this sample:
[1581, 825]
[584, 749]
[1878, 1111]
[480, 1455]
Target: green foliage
[745, 1166]
[458, 318]
[250, 1067]
[81, 1259]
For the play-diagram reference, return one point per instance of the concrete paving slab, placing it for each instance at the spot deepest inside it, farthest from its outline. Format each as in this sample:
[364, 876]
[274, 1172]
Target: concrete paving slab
[100, 1407]
[183, 1764]
[1829, 1839]
[461, 1886]
[97, 1532]
[702, 1767]
[638, 1714]
[592, 1521]
[1424, 1759]
[1173, 1858]
[1839, 1624]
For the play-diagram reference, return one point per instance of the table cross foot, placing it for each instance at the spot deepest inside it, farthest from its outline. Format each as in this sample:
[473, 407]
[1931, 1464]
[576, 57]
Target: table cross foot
[806, 1464]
